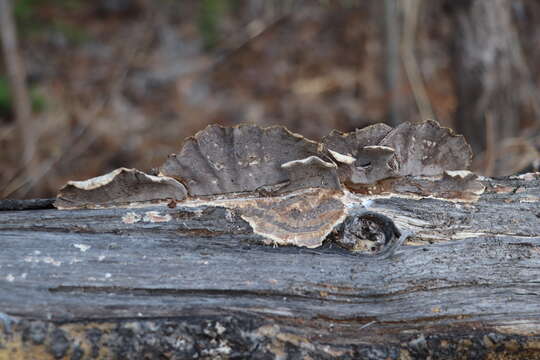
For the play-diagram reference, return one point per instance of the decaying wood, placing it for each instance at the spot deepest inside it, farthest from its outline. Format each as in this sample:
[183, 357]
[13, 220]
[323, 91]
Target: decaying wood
[195, 282]
[178, 265]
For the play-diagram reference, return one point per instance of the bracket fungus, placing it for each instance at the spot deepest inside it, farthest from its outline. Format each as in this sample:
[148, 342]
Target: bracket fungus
[311, 172]
[359, 158]
[426, 149]
[459, 185]
[119, 187]
[303, 218]
[293, 190]
[220, 160]
[350, 143]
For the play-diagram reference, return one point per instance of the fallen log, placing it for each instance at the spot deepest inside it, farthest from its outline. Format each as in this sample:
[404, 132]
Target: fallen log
[161, 281]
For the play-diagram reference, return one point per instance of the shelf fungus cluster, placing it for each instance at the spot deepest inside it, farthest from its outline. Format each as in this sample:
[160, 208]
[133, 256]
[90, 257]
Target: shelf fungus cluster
[295, 191]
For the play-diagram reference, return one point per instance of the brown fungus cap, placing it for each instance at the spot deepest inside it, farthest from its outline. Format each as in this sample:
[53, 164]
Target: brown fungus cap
[273, 161]
[119, 187]
[311, 172]
[426, 149]
[359, 157]
[220, 160]
[350, 143]
[304, 219]
[459, 185]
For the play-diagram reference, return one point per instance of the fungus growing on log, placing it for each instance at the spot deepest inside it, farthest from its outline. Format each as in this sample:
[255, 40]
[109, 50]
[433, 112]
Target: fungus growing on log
[426, 149]
[220, 160]
[360, 160]
[462, 186]
[119, 187]
[292, 190]
[350, 143]
[372, 164]
[379, 152]
[302, 219]
[311, 172]
[459, 185]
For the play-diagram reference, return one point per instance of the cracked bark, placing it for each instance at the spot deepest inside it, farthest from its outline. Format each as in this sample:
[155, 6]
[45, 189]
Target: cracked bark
[160, 282]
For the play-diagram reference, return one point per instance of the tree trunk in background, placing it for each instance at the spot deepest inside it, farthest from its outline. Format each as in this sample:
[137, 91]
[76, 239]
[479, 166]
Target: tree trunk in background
[491, 77]
[17, 81]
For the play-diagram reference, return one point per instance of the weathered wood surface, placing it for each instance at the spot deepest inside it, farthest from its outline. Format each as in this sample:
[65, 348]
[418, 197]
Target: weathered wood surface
[90, 284]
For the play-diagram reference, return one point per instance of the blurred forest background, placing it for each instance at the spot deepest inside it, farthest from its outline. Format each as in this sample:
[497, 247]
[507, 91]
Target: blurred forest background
[89, 86]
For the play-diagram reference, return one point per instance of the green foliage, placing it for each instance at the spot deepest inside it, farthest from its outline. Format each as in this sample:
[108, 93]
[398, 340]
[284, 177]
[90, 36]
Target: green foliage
[6, 108]
[211, 13]
[39, 103]
[27, 14]
[24, 9]
[5, 98]
[27, 10]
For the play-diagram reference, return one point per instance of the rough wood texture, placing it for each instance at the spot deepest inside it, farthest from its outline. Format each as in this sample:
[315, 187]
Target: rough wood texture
[185, 282]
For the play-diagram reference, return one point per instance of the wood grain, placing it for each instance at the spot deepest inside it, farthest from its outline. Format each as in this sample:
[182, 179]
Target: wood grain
[160, 282]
